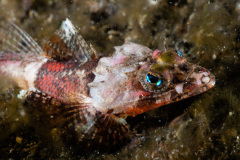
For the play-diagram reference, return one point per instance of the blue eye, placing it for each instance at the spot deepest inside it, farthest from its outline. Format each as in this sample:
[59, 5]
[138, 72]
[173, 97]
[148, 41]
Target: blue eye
[153, 79]
[179, 53]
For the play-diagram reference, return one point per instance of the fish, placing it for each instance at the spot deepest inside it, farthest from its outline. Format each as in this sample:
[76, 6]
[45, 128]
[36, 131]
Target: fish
[94, 94]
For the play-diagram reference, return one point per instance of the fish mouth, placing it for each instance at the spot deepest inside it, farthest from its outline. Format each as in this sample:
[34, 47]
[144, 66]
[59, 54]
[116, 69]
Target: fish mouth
[203, 81]
[199, 81]
[208, 85]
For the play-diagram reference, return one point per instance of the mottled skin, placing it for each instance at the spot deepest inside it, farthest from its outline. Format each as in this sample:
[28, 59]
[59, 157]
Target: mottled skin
[62, 80]
[92, 95]
[120, 81]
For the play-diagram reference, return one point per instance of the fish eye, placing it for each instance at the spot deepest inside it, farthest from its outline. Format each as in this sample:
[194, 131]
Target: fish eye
[179, 53]
[153, 79]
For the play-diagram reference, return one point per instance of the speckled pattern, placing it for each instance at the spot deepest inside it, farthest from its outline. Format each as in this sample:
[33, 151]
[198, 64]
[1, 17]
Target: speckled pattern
[59, 79]
[206, 32]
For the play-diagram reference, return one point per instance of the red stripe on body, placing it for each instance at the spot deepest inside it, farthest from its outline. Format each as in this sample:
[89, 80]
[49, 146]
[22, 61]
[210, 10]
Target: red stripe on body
[64, 80]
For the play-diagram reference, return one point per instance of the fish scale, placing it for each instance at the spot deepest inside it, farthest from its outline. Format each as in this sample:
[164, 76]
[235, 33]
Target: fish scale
[61, 78]
[91, 95]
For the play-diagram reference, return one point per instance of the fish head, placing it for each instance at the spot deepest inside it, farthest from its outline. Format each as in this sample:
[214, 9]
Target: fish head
[136, 79]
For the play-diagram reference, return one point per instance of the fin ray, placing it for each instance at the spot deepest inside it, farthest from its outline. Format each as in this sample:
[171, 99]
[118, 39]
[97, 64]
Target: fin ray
[15, 47]
[15, 40]
[82, 123]
[66, 43]
[27, 38]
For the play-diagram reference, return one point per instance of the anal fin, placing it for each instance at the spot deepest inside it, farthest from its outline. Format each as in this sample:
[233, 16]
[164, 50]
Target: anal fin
[95, 130]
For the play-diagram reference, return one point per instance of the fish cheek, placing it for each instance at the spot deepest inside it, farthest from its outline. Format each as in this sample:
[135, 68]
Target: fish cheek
[145, 103]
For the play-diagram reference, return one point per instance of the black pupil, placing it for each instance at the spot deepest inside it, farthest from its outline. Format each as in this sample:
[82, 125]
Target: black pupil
[152, 78]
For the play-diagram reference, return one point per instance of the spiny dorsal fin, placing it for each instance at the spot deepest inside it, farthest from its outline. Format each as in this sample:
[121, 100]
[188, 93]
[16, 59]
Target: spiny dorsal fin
[66, 43]
[15, 40]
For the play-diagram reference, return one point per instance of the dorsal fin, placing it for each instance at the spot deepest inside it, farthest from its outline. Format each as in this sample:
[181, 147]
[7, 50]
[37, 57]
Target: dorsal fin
[66, 43]
[15, 40]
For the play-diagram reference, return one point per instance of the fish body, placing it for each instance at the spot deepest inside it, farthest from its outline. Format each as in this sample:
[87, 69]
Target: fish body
[92, 94]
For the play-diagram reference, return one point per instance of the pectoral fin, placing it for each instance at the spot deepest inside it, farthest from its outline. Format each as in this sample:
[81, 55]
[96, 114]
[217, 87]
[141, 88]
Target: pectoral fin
[83, 126]
[93, 129]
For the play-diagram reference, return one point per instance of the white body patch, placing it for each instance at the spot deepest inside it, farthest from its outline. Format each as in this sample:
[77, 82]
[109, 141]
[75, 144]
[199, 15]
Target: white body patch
[205, 79]
[22, 94]
[14, 68]
[24, 76]
[179, 88]
[158, 101]
[112, 87]
[213, 83]
[198, 77]
[31, 70]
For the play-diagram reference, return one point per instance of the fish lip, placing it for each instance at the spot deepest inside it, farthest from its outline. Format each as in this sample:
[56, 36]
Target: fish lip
[210, 84]
[202, 87]
[212, 80]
